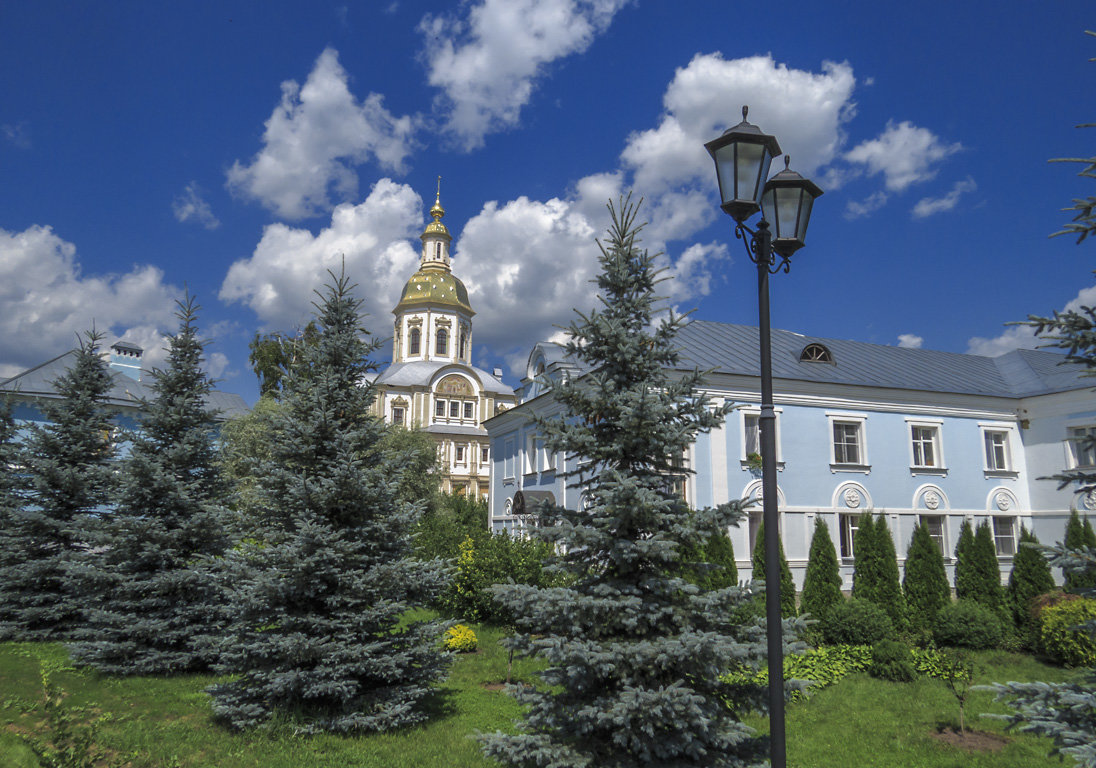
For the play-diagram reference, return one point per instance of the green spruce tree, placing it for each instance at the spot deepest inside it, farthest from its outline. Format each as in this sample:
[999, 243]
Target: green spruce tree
[154, 598]
[787, 584]
[822, 582]
[67, 463]
[925, 582]
[318, 601]
[1029, 578]
[634, 652]
[966, 580]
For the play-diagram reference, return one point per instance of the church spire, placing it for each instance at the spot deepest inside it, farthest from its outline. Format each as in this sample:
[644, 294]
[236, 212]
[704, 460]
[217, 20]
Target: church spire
[435, 238]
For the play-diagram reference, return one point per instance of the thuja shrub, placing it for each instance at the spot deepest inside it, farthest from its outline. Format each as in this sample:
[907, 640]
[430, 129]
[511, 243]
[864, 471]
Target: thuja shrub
[856, 622]
[967, 624]
[1062, 638]
[891, 660]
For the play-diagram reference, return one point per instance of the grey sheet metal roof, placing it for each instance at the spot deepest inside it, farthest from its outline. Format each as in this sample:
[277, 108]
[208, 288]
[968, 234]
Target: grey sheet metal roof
[124, 391]
[455, 429]
[421, 373]
[733, 349]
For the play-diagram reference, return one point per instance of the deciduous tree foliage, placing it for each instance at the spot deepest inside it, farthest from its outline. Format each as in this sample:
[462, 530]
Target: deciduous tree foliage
[319, 596]
[148, 593]
[634, 652]
[925, 582]
[67, 462]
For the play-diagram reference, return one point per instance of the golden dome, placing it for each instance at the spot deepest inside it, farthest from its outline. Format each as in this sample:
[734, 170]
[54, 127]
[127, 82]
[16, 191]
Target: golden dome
[436, 228]
[437, 287]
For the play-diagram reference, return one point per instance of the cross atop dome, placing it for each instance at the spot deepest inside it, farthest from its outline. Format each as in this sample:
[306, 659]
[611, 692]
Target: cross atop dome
[436, 238]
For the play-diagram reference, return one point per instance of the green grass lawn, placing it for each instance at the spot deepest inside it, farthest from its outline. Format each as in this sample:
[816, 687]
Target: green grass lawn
[158, 722]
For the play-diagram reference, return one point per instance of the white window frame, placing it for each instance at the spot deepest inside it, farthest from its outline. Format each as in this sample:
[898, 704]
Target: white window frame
[941, 539]
[401, 412]
[439, 408]
[749, 413]
[509, 459]
[990, 467]
[849, 524]
[460, 454]
[937, 443]
[860, 420]
[468, 410]
[1076, 456]
[1008, 535]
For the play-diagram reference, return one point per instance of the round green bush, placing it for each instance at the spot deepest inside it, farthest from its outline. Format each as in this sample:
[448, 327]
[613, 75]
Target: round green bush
[855, 622]
[460, 639]
[967, 624]
[892, 660]
[1061, 636]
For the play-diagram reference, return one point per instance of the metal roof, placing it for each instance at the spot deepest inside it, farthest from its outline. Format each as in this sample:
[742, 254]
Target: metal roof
[124, 392]
[421, 373]
[733, 349]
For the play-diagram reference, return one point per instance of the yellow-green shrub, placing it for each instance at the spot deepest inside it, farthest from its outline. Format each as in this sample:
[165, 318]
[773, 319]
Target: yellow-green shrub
[1061, 637]
[460, 639]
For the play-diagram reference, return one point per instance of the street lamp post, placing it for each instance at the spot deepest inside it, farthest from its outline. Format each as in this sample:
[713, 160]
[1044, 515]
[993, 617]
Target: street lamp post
[742, 157]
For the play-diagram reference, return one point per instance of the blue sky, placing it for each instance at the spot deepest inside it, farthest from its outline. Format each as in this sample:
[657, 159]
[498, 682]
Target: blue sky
[242, 149]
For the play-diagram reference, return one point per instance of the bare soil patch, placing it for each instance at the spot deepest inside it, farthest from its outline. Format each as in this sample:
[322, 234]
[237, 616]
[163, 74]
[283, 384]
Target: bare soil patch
[972, 741]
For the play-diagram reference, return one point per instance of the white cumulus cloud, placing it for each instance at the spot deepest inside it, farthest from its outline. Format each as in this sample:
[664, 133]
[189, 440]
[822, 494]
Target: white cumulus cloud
[314, 140]
[487, 63]
[1022, 336]
[855, 209]
[805, 110]
[904, 153]
[190, 205]
[929, 206]
[910, 341]
[279, 280]
[48, 301]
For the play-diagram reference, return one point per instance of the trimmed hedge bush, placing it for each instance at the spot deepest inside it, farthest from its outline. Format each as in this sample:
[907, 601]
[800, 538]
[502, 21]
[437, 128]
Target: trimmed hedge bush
[891, 660]
[967, 624]
[1062, 640]
[856, 622]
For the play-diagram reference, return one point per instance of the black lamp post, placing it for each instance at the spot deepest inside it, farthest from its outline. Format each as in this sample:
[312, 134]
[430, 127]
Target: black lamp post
[742, 157]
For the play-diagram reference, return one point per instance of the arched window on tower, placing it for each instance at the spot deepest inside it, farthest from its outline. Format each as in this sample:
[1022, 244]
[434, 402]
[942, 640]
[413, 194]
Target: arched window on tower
[442, 345]
[437, 251]
[463, 344]
[416, 341]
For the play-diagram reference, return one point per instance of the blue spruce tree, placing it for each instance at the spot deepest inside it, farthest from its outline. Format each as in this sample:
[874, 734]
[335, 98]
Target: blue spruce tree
[317, 598]
[67, 465]
[634, 652]
[150, 597]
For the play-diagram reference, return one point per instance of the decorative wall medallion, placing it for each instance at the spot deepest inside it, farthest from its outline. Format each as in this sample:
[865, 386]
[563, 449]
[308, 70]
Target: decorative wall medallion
[852, 498]
[1003, 501]
[931, 499]
[1089, 500]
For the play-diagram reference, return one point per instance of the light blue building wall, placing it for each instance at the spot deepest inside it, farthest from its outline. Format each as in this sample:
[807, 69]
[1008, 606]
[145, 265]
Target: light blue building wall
[913, 435]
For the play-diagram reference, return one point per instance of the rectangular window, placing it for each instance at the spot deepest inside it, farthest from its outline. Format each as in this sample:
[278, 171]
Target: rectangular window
[454, 409]
[925, 450]
[1082, 446]
[460, 454]
[469, 407]
[935, 526]
[846, 442]
[849, 525]
[997, 453]
[439, 408]
[751, 426]
[1004, 536]
[485, 454]
[397, 416]
[509, 462]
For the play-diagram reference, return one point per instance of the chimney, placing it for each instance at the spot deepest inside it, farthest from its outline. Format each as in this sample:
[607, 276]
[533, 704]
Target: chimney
[125, 357]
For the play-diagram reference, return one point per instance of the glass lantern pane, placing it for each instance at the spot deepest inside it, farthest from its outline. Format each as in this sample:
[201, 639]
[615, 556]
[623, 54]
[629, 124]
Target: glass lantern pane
[724, 165]
[787, 211]
[751, 174]
[769, 210]
[805, 215]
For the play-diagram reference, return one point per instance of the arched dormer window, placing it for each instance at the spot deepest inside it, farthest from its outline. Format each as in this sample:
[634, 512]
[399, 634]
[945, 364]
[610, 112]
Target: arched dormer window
[815, 353]
[442, 345]
[416, 342]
